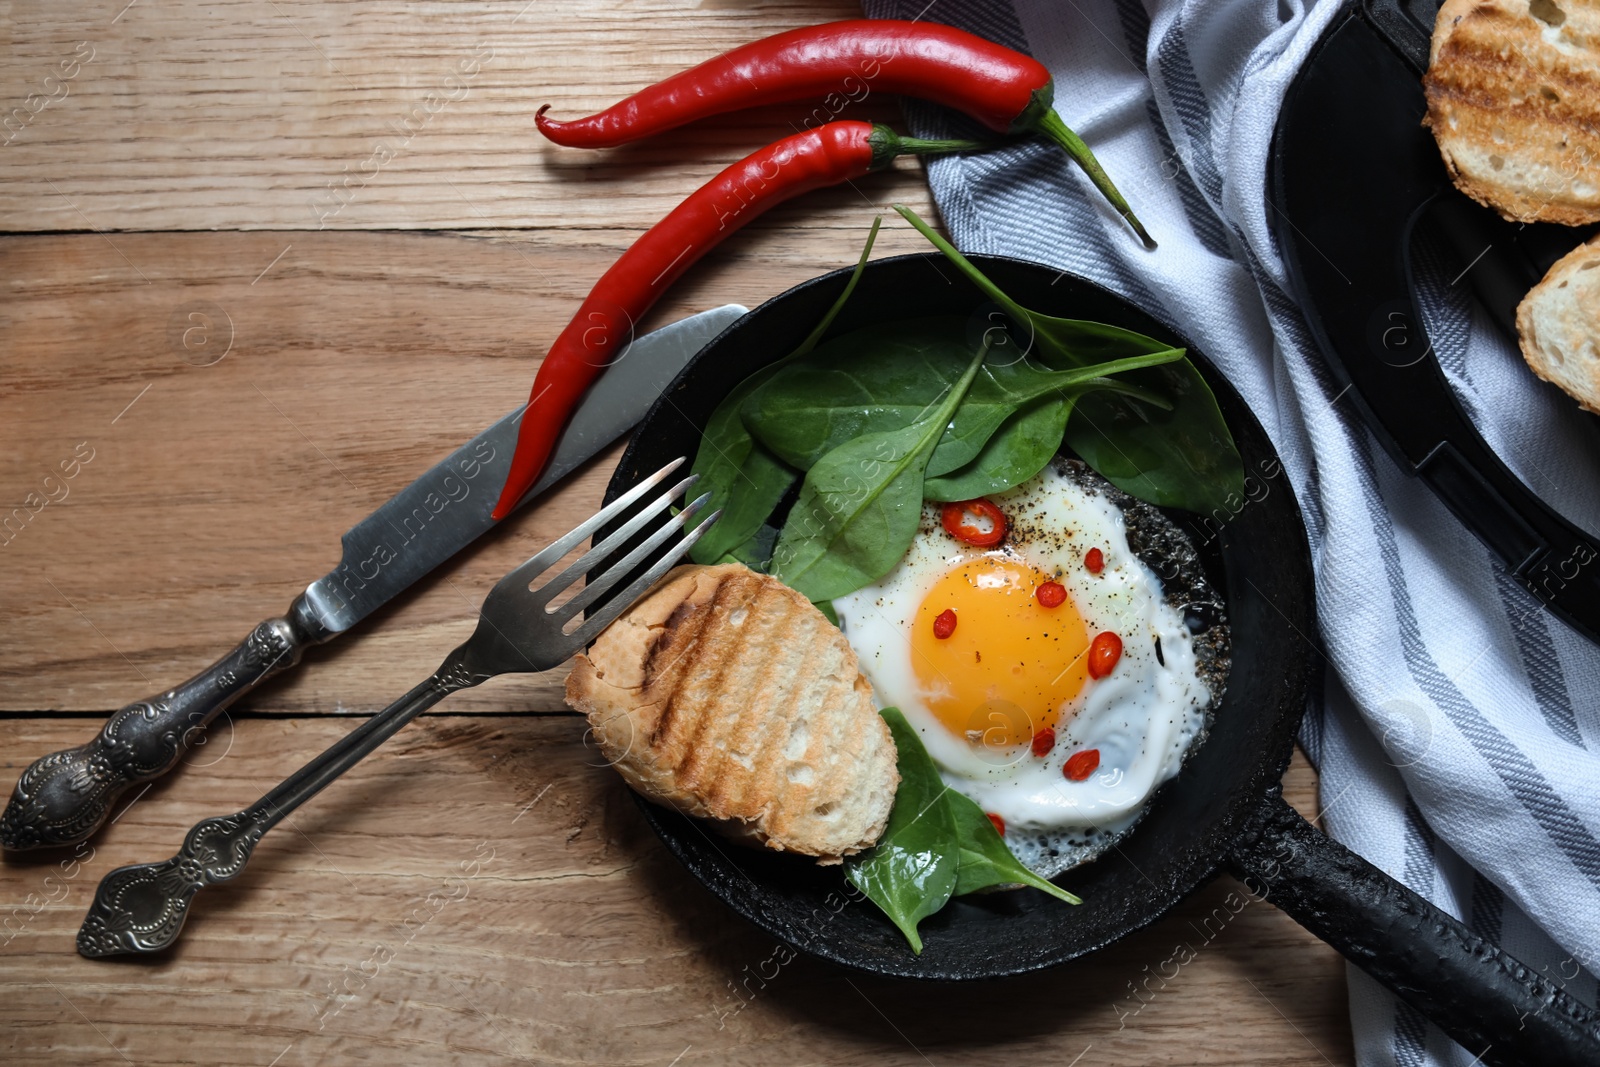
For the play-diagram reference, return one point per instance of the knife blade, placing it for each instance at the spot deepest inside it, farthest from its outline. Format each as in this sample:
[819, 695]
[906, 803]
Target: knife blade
[441, 512]
[62, 798]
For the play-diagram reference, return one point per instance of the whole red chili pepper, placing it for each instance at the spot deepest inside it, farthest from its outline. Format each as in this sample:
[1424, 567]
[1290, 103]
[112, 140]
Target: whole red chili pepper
[841, 62]
[828, 155]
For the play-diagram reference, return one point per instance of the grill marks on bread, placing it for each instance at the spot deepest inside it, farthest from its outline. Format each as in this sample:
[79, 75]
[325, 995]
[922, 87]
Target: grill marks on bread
[727, 695]
[1513, 92]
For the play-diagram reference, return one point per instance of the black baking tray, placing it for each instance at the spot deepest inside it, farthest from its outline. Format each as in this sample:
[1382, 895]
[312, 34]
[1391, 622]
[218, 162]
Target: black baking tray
[1353, 174]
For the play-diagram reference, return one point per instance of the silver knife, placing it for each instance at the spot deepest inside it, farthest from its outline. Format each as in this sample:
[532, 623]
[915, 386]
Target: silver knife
[63, 798]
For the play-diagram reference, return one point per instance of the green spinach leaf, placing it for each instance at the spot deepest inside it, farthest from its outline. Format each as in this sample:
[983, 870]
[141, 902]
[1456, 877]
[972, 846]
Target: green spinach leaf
[860, 504]
[912, 870]
[762, 481]
[1184, 458]
[984, 858]
[755, 553]
[1016, 452]
[996, 396]
[725, 448]
[731, 468]
[938, 844]
[884, 376]
[880, 377]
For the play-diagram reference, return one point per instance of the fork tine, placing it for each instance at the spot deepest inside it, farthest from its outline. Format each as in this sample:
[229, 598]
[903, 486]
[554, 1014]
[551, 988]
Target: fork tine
[607, 614]
[617, 571]
[596, 553]
[521, 577]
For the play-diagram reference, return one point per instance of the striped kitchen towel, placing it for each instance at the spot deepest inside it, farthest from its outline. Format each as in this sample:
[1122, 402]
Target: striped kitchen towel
[1459, 737]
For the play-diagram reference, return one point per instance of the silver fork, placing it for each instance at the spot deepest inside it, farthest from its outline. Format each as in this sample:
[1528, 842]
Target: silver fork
[141, 908]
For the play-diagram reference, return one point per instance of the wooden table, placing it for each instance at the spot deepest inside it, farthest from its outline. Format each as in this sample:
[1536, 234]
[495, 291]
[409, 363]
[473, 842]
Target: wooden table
[482, 890]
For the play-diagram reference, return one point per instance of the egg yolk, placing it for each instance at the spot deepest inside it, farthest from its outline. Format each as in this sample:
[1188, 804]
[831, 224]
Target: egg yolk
[1010, 664]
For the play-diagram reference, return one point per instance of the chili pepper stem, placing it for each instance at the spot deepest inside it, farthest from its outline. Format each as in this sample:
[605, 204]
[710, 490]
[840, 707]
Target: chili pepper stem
[886, 145]
[1055, 128]
[920, 146]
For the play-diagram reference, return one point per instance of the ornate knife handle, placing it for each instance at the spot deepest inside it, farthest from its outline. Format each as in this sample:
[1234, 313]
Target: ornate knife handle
[63, 798]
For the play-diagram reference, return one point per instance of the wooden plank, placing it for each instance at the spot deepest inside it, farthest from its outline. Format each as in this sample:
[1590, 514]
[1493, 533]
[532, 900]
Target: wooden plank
[213, 494]
[254, 114]
[482, 890]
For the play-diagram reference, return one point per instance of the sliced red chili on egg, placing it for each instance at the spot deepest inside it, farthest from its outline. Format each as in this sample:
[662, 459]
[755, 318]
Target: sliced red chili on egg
[999, 823]
[1094, 561]
[944, 623]
[1051, 594]
[977, 522]
[1104, 651]
[1080, 765]
[1044, 741]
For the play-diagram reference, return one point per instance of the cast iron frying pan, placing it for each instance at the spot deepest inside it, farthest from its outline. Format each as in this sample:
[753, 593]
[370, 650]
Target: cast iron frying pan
[1224, 811]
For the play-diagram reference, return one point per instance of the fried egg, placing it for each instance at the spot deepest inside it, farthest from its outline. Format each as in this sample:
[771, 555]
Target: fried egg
[1003, 682]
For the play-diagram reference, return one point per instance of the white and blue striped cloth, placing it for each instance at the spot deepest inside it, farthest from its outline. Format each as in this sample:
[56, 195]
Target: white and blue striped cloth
[1459, 738]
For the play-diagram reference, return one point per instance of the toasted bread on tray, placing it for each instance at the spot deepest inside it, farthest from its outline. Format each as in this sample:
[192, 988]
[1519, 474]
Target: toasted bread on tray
[1558, 325]
[727, 695]
[1514, 101]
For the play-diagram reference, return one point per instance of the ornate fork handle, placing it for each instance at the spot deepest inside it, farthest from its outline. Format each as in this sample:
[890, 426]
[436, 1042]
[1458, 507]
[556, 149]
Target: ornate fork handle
[141, 908]
[63, 798]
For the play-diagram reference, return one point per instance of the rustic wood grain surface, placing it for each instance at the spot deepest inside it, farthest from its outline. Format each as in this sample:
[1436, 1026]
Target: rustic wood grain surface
[482, 890]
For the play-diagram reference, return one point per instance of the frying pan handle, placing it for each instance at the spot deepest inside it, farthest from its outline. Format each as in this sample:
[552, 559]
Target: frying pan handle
[1483, 998]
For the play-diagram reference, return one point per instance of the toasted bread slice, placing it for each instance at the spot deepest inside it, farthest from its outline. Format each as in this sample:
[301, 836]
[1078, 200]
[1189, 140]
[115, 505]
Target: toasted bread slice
[1558, 325]
[727, 695]
[1514, 102]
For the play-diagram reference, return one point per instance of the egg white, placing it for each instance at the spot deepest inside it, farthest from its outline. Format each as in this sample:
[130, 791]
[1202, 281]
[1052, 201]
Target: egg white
[1142, 717]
